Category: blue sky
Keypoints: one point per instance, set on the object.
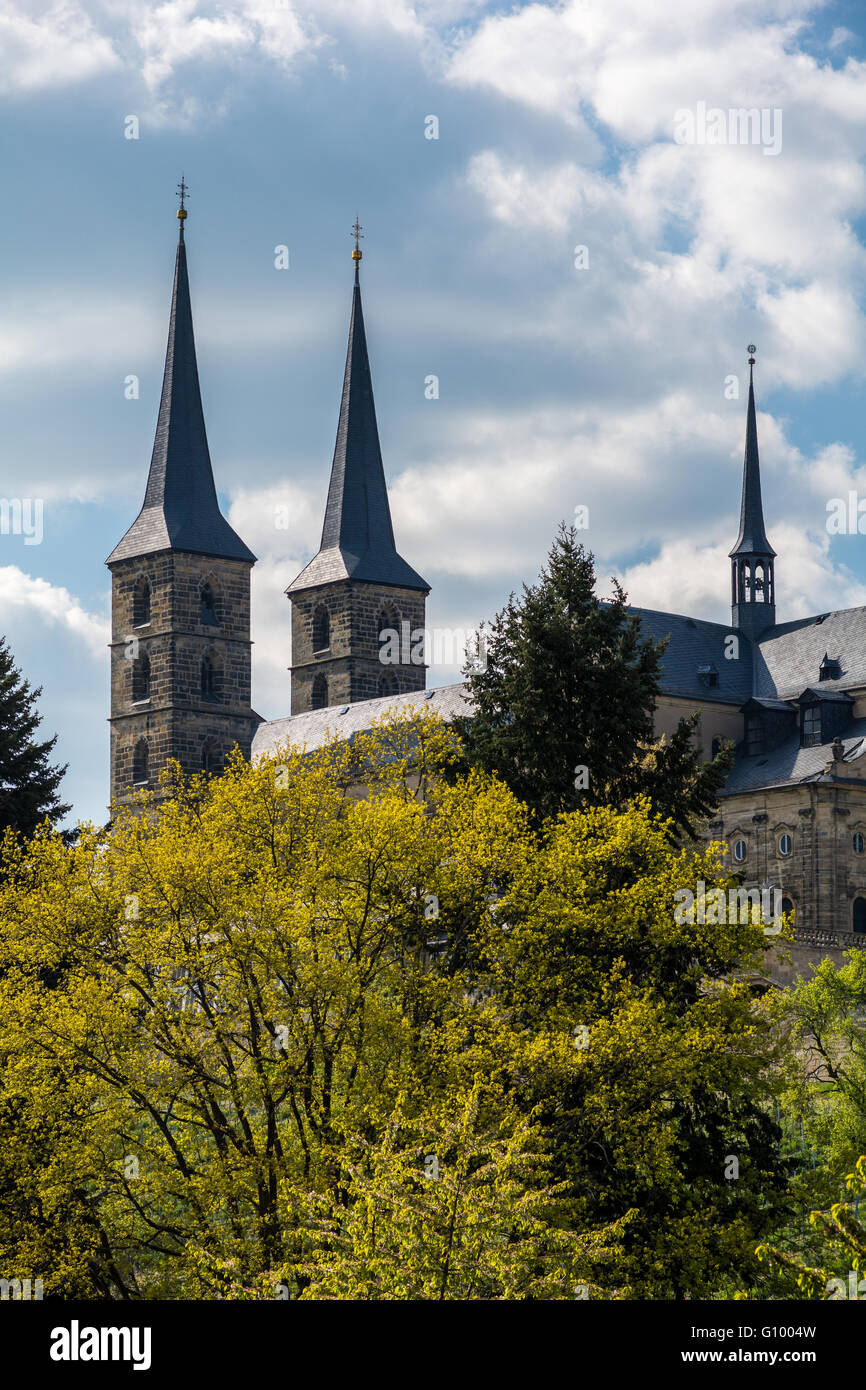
(559, 386)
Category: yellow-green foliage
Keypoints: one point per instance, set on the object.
(227, 1055)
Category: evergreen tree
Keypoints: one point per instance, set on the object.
(564, 709)
(28, 783)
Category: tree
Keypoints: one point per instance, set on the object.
(28, 783)
(564, 709)
(456, 1203)
(824, 1019)
(240, 1023)
(666, 1113)
(822, 1107)
(838, 1240)
(210, 1003)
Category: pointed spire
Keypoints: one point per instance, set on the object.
(180, 510)
(357, 537)
(752, 539)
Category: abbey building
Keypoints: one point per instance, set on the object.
(791, 695)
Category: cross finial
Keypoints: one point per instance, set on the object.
(182, 191)
(751, 350)
(357, 233)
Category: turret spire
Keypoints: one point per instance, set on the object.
(753, 594)
(180, 510)
(357, 537)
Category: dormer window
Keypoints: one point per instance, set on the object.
(830, 669)
(708, 676)
(768, 723)
(823, 715)
(754, 735)
(812, 726)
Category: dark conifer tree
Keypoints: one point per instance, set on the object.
(564, 709)
(28, 782)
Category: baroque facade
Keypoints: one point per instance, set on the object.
(790, 695)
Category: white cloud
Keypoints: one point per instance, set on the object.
(54, 606)
(279, 522)
(58, 47)
(839, 37)
(65, 44)
(173, 33)
(689, 578)
(95, 330)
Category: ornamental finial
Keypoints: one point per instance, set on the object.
(357, 233)
(182, 191)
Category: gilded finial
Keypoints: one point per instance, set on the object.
(751, 350)
(357, 233)
(182, 191)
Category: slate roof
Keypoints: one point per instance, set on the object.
(357, 537)
(791, 651)
(752, 539)
(788, 656)
(693, 644)
(780, 665)
(311, 730)
(790, 763)
(180, 509)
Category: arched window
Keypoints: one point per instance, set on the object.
(141, 677)
(858, 842)
(860, 914)
(141, 603)
(786, 844)
(787, 907)
(321, 630)
(760, 582)
(211, 759)
(141, 762)
(388, 684)
(740, 850)
(388, 636)
(208, 613)
(320, 693)
(211, 679)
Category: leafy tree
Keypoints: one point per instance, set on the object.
(246, 1036)
(454, 1204)
(824, 1019)
(837, 1249)
(564, 708)
(28, 783)
(673, 1080)
(822, 1105)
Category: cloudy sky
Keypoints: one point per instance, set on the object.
(599, 377)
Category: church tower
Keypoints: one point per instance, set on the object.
(357, 604)
(753, 582)
(180, 582)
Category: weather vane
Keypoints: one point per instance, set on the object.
(751, 350)
(357, 233)
(182, 191)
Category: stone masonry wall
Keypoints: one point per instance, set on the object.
(351, 664)
(175, 719)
